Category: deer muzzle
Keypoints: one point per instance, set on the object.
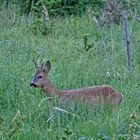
(33, 84)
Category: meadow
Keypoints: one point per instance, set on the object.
(82, 54)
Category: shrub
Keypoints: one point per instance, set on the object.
(113, 9)
(59, 7)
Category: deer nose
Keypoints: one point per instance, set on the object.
(32, 84)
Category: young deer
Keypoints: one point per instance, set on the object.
(103, 94)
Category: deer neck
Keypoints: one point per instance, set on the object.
(49, 89)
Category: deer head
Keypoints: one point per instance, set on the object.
(41, 74)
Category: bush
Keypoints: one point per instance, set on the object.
(60, 7)
(113, 9)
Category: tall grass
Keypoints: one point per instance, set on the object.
(26, 113)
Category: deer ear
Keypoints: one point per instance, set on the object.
(47, 66)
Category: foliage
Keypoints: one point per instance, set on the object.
(26, 113)
(60, 7)
(41, 27)
(113, 10)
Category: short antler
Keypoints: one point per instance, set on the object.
(39, 64)
(36, 65)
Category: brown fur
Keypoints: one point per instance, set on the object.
(103, 94)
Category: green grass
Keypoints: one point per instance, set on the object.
(26, 113)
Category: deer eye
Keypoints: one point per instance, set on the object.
(40, 77)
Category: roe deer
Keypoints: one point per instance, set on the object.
(103, 94)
